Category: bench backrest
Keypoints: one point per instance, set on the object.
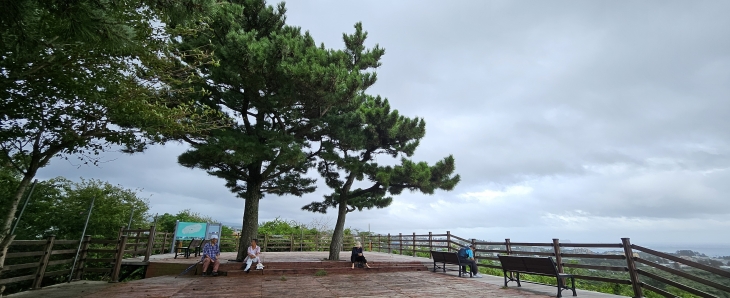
(529, 264)
(194, 243)
(442, 256)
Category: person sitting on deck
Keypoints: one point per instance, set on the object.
(211, 252)
(253, 255)
(357, 255)
(466, 256)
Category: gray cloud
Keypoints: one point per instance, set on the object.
(578, 120)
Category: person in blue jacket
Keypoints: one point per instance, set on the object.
(466, 256)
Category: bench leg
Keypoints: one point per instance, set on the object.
(505, 278)
(518, 280)
(444, 267)
(434, 266)
(560, 287)
(572, 283)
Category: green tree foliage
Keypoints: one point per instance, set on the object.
(59, 207)
(354, 140)
(166, 222)
(77, 77)
(285, 227)
(276, 84)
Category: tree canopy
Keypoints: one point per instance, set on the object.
(276, 84)
(59, 207)
(354, 139)
(78, 77)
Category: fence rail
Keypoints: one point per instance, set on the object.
(625, 265)
(37, 260)
(34, 260)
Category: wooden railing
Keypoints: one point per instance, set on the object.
(271, 243)
(33, 258)
(39, 260)
(624, 263)
(141, 241)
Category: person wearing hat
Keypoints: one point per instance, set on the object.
(211, 252)
(469, 260)
(357, 255)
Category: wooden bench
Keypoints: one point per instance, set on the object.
(199, 248)
(448, 258)
(537, 266)
(185, 251)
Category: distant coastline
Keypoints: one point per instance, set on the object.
(711, 250)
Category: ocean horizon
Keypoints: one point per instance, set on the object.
(711, 250)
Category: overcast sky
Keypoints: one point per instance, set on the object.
(584, 120)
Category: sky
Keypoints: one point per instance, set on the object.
(585, 121)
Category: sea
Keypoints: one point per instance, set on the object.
(711, 250)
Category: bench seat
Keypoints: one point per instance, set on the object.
(537, 266)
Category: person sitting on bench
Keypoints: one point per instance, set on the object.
(357, 255)
(466, 257)
(211, 252)
(253, 255)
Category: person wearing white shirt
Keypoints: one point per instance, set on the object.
(254, 251)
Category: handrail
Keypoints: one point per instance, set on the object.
(683, 261)
(410, 244)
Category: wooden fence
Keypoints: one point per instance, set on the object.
(270, 243)
(621, 257)
(39, 260)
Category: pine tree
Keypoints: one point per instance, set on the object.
(276, 84)
(354, 139)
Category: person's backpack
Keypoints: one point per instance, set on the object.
(462, 253)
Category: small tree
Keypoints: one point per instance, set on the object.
(354, 139)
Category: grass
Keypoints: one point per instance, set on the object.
(283, 278)
(320, 273)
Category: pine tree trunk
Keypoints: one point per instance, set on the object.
(5, 237)
(250, 227)
(337, 235)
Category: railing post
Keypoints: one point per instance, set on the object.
(400, 243)
(448, 241)
(136, 242)
(82, 257)
(414, 244)
(389, 250)
(473, 243)
(430, 241)
(164, 239)
(316, 242)
(508, 248)
(266, 242)
(236, 242)
(150, 244)
(43, 264)
(633, 274)
(291, 243)
(121, 245)
(558, 257)
(379, 244)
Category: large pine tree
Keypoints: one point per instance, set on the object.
(276, 84)
(355, 138)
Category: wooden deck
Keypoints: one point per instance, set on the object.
(337, 283)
